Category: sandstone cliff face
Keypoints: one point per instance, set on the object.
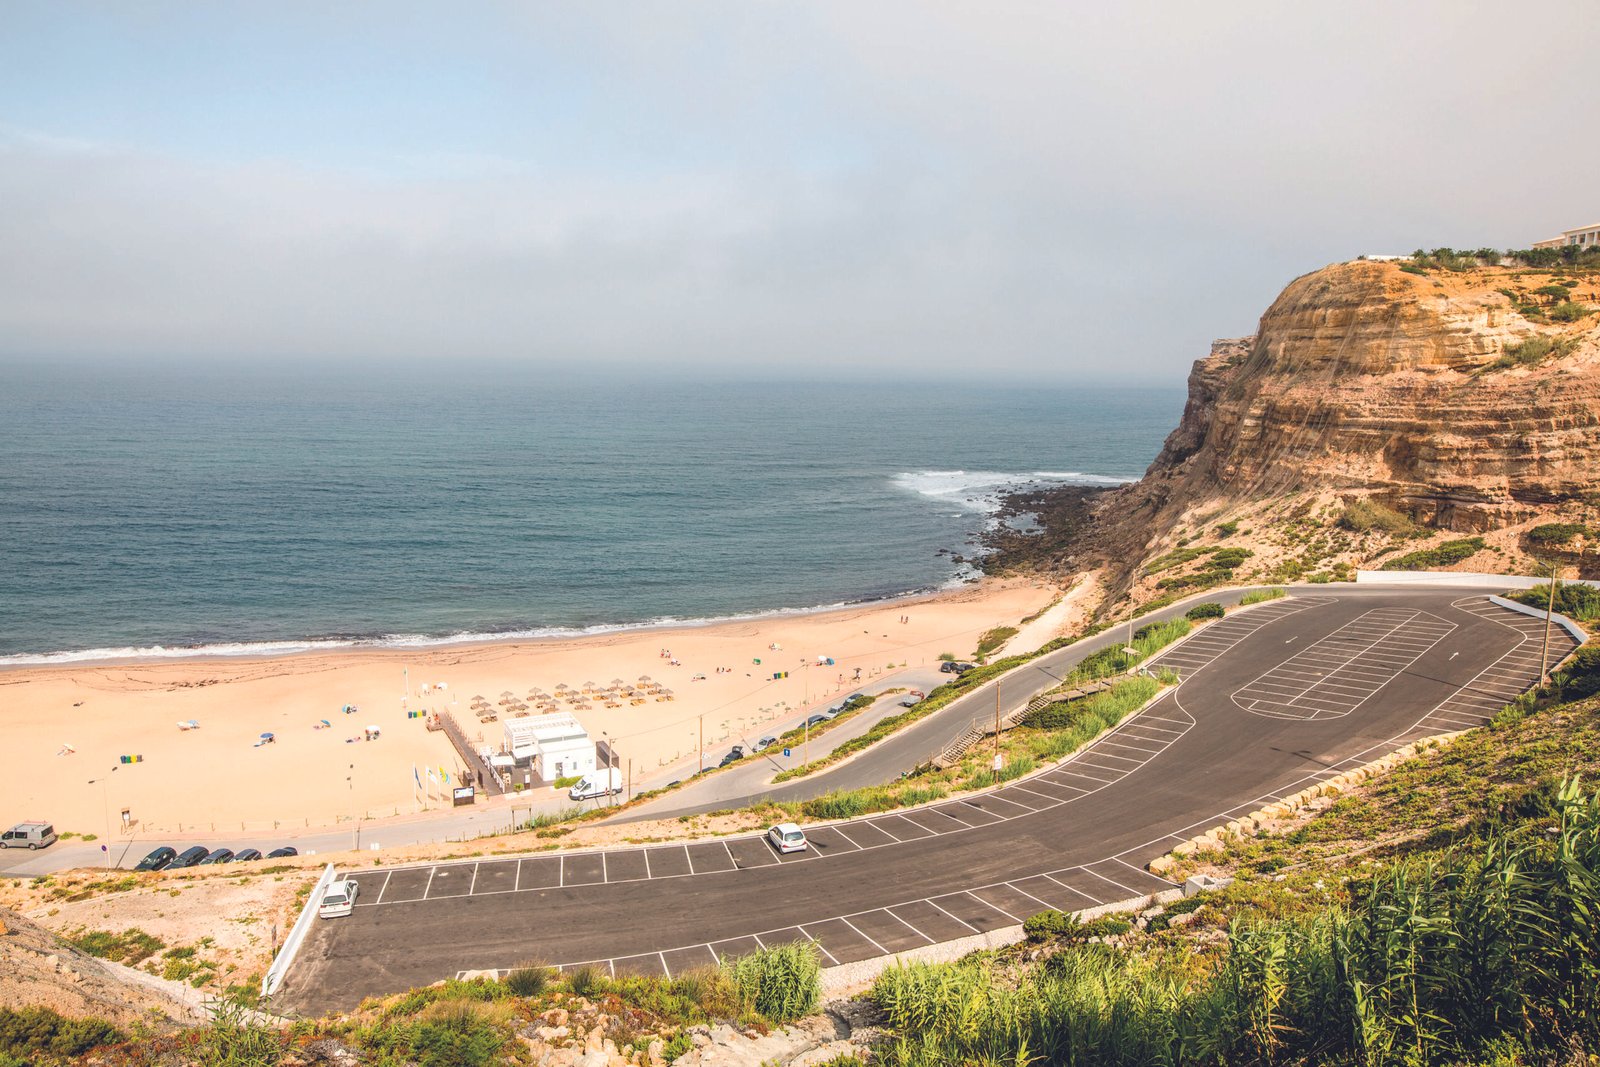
(1373, 381)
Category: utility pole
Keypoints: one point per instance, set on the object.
(702, 742)
(1549, 610)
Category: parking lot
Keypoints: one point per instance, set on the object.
(1116, 755)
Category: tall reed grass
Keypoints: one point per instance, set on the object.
(1433, 963)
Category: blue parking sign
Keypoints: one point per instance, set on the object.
(787, 752)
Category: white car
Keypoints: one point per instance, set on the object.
(339, 900)
(787, 837)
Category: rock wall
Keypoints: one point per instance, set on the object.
(1367, 379)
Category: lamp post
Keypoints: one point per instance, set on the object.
(1549, 610)
(105, 809)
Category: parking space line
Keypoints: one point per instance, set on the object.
(688, 858)
(386, 878)
(605, 873)
(647, 874)
(908, 926)
(1111, 881)
(474, 884)
(426, 891)
(1030, 896)
(985, 903)
(561, 871)
(820, 946)
(729, 851)
(881, 950)
(664, 968)
(1004, 800)
(838, 829)
(957, 918)
(1131, 748)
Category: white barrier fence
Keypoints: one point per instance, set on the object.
(297, 935)
(1509, 581)
(1578, 633)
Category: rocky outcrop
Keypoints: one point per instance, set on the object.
(1368, 379)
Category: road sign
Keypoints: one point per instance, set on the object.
(788, 752)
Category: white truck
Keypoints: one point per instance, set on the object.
(601, 783)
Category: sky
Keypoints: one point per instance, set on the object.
(1023, 191)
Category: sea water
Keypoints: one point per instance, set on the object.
(159, 511)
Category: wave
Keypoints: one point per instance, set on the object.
(979, 492)
(227, 649)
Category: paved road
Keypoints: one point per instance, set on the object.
(1272, 699)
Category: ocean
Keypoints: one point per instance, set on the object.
(167, 511)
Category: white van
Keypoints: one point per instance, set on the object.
(29, 835)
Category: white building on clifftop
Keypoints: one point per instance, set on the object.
(1586, 236)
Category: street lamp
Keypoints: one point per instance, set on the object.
(105, 808)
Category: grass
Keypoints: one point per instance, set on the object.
(1446, 554)
(1575, 601)
(993, 639)
(1261, 596)
(1557, 533)
(131, 946)
(31, 1035)
(1535, 350)
(1363, 515)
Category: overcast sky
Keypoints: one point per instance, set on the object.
(1063, 191)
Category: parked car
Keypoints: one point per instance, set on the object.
(911, 700)
(31, 835)
(818, 719)
(787, 837)
(340, 899)
(280, 853)
(221, 855)
(765, 743)
(157, 859)
(735, 754)
(948, 666)
(963, 668)
(853, 699)
(247, 854)
(189, 857)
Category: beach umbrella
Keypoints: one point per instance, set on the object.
(644, 677)
(617, 681)
(562, 685)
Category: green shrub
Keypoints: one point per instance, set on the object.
(527, 981)
(1442, 555)
(994, 639)
(1573, 599)
(1570, 312)
(1208, 610)
(1535, 350)
(1363, 515)
(234, 1036)
(567, 781)
(1557, 533)
(1258, 596)
(1227, 529)
(131, 946)
(585, 981)
(779, 982)
(1049, 925)
(32, 1033)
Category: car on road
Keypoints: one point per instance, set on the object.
(281, 853)
(787, 837)
(818, 719)
(221, 855)
(765, 743)
(157, 859)
(735, 754)
(30, 835)
(913, 698)
(948, 667)
(247, 854)
(189, 857)
(963, 668)
(340, 899)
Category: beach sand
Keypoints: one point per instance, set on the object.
(216, 777)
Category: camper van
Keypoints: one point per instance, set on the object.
(28, 835)
(597, 784)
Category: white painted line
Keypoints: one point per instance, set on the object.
(1004, 800)
(474, 884)
(646, 853)
(429, 888)
(561, 876)
(1048, 906)
(839, 829)
(1081, 893)
(823, 948)
(605, 870)
(957, 918)
(386, 878)
(881, 950)
(908, 926)
(729, 851)
(985, 903)
(688, 858)
(1113, 881)
(664, 968)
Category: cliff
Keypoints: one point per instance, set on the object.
(1453, 403)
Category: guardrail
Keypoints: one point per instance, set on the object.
(297, 935)
(1576, 632)
(1510, 581)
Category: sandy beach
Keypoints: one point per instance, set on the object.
(67, 728)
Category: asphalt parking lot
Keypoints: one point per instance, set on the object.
(1273, 698)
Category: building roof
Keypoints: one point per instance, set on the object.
(1581, 229)
(547, 729)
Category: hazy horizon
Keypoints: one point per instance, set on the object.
(814, 191)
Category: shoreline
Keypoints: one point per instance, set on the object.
(242, 651)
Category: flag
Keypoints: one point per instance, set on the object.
(415, 775)
(446, 775)
(431, 776)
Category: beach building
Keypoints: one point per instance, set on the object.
(551, 746)
(1584, 236)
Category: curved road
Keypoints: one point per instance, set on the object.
(1272, 699)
